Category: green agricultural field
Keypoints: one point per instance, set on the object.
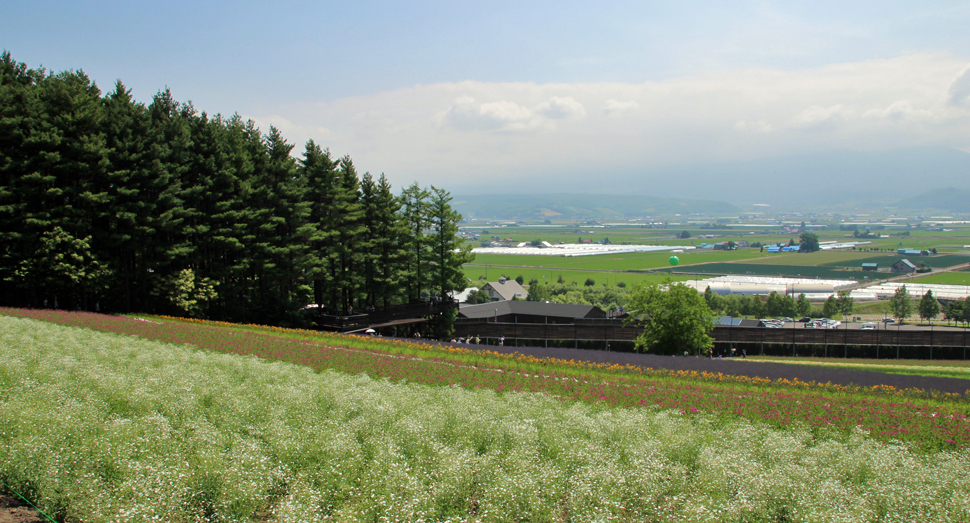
(613, 262)
(607, 268)
(568, 275)
(884, 261)
(632, 235)
(776, 270)
(875, 307)
(841, 258)
(572, 234)
(945, 278)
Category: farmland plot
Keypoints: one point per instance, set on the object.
(103, 427)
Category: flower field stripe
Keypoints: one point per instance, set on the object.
(928, 425)
(98, 427)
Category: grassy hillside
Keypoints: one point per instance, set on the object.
(107, 427)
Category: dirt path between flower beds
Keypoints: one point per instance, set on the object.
(739, 367)
(12, 510)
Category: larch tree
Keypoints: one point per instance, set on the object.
(414, 203)
(448, 250)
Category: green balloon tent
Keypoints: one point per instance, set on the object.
(674, 260)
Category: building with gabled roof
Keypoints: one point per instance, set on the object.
(903, 266)
(530, 312)
(505, 289)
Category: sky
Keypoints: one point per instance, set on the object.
(545, 96)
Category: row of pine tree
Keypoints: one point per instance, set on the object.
(110, 204)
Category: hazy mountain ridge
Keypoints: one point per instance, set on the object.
(579, 206)
(949, 199)
(816, 180)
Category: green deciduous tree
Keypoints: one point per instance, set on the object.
(481, 296)
(774, 304)
(807, 242)
(803, 307)
(928, 306)
(675, 318)
(63, 271)
(900, 304)
(845, 303)
(538, 293)
(714, 301)
(830, 309)
(953, 311)
(187, 293)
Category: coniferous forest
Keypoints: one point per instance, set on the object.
(109, 204)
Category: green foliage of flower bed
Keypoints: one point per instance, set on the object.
(107, 427)
(928, 421)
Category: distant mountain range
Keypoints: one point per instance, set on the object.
(830, 179)
(579, 207)
(949, 199)
(816, 179)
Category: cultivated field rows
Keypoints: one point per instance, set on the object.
(107, 427)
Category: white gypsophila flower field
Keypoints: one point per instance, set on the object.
(100, 427)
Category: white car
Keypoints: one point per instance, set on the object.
(869, 326)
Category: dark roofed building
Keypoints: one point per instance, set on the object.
(904, 266)
(530, 312)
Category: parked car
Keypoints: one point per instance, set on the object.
(888, 320)
(869, 326)
(806, 319)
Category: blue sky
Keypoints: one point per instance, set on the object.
(454, 93)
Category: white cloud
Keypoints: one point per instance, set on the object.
(615, 107)
(901, 111)
(960, 89)
(452, 132)
(759, 126)
(466, 114)
(815, 116)
(557, 108)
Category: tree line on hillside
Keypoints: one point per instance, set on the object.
(110, 204)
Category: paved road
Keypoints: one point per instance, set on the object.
(739, 367)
